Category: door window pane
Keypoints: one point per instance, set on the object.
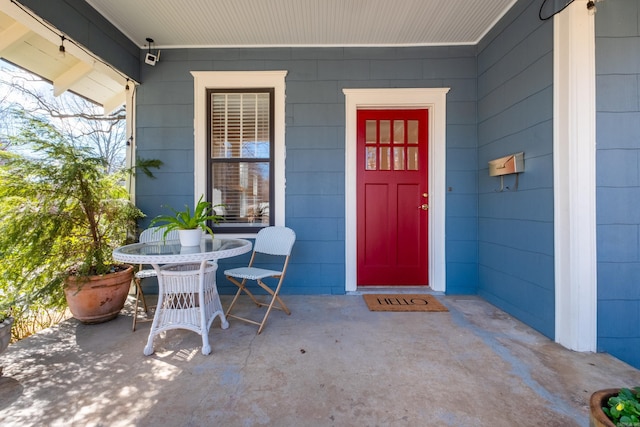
(412, 132)
(398, 158)
(370, 132)
(371, 159)
(412, 158)
(385, 158)
(385, 131)
(398, 132)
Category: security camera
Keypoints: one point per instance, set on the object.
(150, 59)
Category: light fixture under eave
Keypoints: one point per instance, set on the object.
(61, 50)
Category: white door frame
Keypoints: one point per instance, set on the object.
(434, 99)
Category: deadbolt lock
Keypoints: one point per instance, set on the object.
(423, 206)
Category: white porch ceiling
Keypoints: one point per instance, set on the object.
(239, 23)
(243, 23)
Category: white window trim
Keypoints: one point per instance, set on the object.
(574, 171)
(203, 80)
(435, 100)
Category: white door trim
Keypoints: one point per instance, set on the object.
(574, 171)
(435, 100)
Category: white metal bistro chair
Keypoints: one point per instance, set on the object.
(152, 234)
(276, 241)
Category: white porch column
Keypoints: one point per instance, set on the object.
(574, 168)
(130, 105)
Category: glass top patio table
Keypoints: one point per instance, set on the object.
(187, 292)
(172, 252)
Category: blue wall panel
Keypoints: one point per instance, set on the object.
(315, 158)
(515, 226)
(618, 181)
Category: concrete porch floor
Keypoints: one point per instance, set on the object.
(331, 363)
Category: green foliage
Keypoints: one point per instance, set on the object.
(624, 409)
(61, 213)
(145, 165)
(186, 220)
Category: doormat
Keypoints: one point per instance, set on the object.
(403, 302)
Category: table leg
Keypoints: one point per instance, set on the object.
(216, 309)
(204, 330)
(210, 305)
(208, 302)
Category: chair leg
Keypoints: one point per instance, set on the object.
(271, 305)
(274, 297)
(144, 300)
(235, 298)
(241, 288)
(139, 296)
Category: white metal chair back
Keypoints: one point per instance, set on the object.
(275, 241)
(156, 234)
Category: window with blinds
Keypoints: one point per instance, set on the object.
(241, 158)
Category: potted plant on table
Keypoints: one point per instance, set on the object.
(615, 408)
(62, 214)
(190, 224)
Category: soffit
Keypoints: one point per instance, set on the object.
(34, 46)
(247, 23)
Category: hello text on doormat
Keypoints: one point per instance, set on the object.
(403, 302)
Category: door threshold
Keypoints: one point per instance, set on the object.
(361, 290)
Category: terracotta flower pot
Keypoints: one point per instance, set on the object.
(98, 299)
(599, 399)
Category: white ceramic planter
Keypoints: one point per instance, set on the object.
(190, 237)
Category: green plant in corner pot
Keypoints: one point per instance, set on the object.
(62, 213)
(188, 220)
(624, 408)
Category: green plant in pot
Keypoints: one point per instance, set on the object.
(615, 407)
(190, 224)
(62, 214)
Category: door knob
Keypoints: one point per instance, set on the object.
(423, 206)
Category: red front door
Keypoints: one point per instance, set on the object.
(392, 197)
